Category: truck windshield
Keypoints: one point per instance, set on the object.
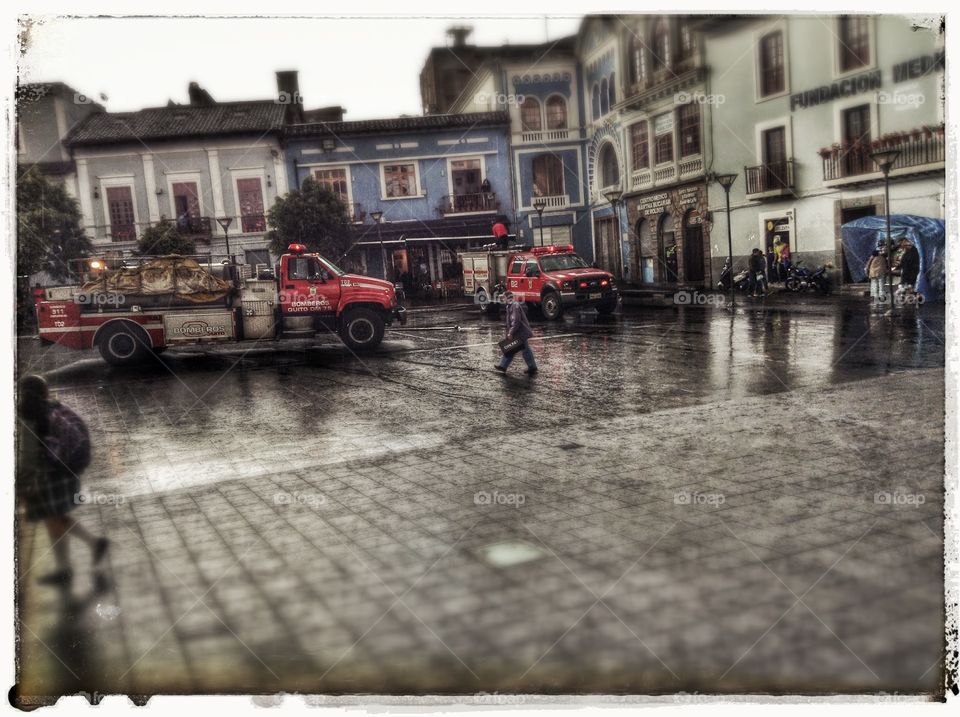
(333, 267)
(561, 262)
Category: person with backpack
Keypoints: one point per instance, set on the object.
(54, 451)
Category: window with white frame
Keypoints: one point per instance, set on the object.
(853, 42)
(333, 179)
(772, 64)
(663, 138)
(250, 203)
(400, 180)
(530, 119)
(552, 235)
(556, 112)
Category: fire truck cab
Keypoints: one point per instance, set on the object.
(552, 277)
(128, 312)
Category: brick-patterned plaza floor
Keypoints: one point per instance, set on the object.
(789, 540)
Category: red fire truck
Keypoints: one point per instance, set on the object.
(552, 277)
(128, 311)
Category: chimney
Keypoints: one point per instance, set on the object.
(288, 93)
(459, 34)
(199, 96)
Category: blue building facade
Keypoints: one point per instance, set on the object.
(437, 184)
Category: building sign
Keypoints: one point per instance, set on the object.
(843, 88)
(663, 124)
(918, 67)
(687, 197)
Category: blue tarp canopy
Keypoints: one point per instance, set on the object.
(862, 236)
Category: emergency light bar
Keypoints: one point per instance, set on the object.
(296, 248)
(553, 249)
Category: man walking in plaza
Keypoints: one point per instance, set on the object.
(518, 327)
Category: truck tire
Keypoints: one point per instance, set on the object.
(607, 307)
(124, 343)
(551, 306)
(362, 329)
(483, 301)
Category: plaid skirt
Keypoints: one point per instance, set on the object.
(50, 493)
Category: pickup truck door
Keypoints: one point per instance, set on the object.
(532, 279)
(307, 287)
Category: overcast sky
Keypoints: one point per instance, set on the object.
(371, 66)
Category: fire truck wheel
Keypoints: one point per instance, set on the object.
(362, 329)
(124, 343)
(483, 301)
(550, 306)
(607, 307)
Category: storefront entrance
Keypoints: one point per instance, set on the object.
(608, 245)
(692, 249)
(849, 215)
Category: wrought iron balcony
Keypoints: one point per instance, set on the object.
(921, 149)
(196, 227)
(469, 203)
(771, 178)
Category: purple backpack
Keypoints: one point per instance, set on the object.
(67, 440)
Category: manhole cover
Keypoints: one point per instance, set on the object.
(510, 552)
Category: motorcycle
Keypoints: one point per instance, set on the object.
(741, 280)
(801, 278)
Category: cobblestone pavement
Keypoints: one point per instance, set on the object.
(706, 533)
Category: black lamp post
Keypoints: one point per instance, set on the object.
(378, 218)
(726, 181)
(539, 204)
(885, 159)
(613, 196)
(225, 223)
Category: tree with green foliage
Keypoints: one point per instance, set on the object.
(313, 216)
(49, 232)
(163, 239)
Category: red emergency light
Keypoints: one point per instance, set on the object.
(553, 249)
(297, 248)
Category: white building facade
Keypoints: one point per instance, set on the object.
(799, 103)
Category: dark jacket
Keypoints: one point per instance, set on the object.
(518, 326)
(757, 263)
(910, 266)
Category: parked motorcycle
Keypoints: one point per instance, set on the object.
(801, 278)
(741, 280)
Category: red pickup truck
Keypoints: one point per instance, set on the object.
(552, 277)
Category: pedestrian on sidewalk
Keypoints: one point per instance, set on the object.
(54, 451)
(877, 269)
(757, 265)
(518, 327)
(909, 267)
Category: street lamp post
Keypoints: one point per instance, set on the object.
(225, 223)
(885, 159)
(378, 218)
(726, 181)
(539, 204)
(613, 196)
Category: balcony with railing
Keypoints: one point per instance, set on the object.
(680, 170)
(195, 227)
(921, 150)
(772, 179)
(547, 135)
(553, 201)
(469, 203)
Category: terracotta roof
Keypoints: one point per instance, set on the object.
(179, 121)
(399, 124)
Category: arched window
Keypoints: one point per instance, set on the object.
(609, 167)
(661, 44)
(547, 175)
(612, 89)
(556, 112)
(530, 115)
(604, 97)
(595, 104)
